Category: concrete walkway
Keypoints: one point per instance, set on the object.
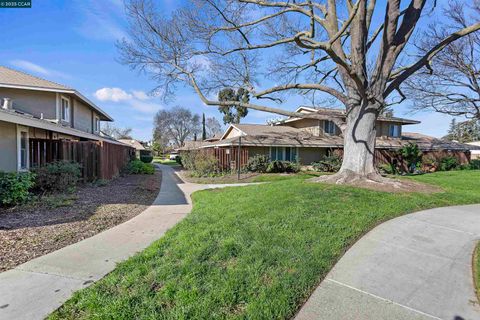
(36, 288)
(417, 266)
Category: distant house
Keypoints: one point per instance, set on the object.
(137, 145)
(307, 140)
(475, 151)
(43, 121)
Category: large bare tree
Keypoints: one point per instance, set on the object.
(452, 83)
(308, 47)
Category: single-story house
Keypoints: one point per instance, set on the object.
(307, 140)
(139, 147)
(42, 121)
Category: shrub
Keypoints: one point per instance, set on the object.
(146, 158)
(328, 163)
(412, 155)
(258, 163)
(448, 163)
(138, 167)
(388, 168)
(178, 159)
(278, 166)
(57, 176)
(200, 163)
(475, 164)
(14, 187)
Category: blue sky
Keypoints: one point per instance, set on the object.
(73, 43)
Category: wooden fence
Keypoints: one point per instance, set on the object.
(98, 159)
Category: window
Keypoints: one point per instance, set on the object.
(329, 127)
(283, 153)
(65, 109)
(22, 147)
(96, 125)
(394, 130)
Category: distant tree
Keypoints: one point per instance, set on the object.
(176, 125)
(466, 131)
(204, 129)
(116, 133)
(213, 127)
(233, 114)
(451, 83)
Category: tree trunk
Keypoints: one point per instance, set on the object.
(359, 148)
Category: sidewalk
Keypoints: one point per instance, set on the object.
(36, 288)
(418, 266)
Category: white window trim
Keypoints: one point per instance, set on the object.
(96, 124)
(21, 129)
(62, 97)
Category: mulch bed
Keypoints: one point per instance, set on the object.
(39, 228)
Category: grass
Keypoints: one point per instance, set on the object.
(254, 252)
(476, 270)
(166, 162)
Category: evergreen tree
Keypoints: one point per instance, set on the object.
(204, 129)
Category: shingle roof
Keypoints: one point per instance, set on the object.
(13, 77)
(265, 135)
(133, 143)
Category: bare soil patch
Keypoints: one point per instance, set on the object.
(54, 222)
(393, 186)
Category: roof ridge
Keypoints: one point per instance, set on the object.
(37, 77)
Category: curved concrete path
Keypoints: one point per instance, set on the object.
(36, 288)
(417, 266)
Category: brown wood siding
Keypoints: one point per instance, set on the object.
(98, 159)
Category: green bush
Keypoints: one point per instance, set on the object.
(146, 158)
(178, 159)
(57, 176)
(258, 163)
(475, 164)
(328, 163)
(15, 187)
(448, 163)
(138, 167)
(388, 168)
(278, 166)
(412, 154)
(200, 163)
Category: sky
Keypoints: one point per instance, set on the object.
(73, 43)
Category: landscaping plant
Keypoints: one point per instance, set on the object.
(279, 166)
(146, 158)
(328, 163)
(138, 167)
(200, 163)
(448, 163)
(57, 176)
(258, 163)
(475, 164)
(412, 154)
(15, 187)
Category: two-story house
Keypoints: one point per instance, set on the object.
(307, 140)
(36, 109)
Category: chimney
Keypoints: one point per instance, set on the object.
(7, 104)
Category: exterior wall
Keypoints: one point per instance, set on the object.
(309, 155)
(313, 126)
(36, 133)
(8, 146)
(233, 133)
(82, 117)
(32, 102)
(306, 155)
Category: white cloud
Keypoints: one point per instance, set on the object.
(100, 20)
(136, 99)
(141, 95)
(112, 94)
(36, 69)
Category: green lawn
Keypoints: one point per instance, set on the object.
(253, 252)
(476, 270)
(168, 162)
